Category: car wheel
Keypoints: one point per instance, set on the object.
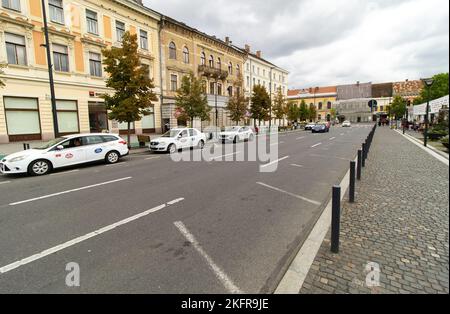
(112, 157)
(39, 167)
(235, 140)
(172, 149)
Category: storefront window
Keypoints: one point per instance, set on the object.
(148, 122)
(22, 116)
(67, 113)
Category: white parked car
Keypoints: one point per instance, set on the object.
(177, 139)
(65, 151)
(236, 134)
(346, 124)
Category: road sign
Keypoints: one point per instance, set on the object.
(373, 103)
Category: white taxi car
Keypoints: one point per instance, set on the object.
(346, 124)
(178, 139)
(65, 151)
(236, 134)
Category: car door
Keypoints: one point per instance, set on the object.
(193, 134)
(72, 153)
(95, 147)
(241, 134)
(183, 139)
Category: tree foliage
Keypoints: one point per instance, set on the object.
(312, 112)
(133, 94)
(397, 108)
(191, 99)
(303, 111)
(279, 105)
(260, 106)
(439, 89)
(292, 111)
(238, 103)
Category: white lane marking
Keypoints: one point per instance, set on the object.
(316, 145)
(151, 158)
(59, 173)
(332, 138)
(5, 182)
(342, 133)
(69, 191)
(274, 162)
(227, 155)
(70, 243)
(223, 278)
(300, 138)
(289, 193)
(295, 165)
(335, 157)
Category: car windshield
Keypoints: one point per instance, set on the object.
(172, 133)
(50, 143)
(232, 129)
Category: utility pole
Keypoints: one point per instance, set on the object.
(50, 71)
(270, 109)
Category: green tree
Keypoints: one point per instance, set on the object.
(439, 89)
(312, 112)
(237, 107)
(191, 99)
(133, 94)
(303, 111)
(397, 109)
(279, 105)
(292, 111)
(333, 114)
(260, 105)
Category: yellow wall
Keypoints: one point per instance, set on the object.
(107, 27)
(39, 52)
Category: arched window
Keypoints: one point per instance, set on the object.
(329, 105)
(238, 69)
(211, 61)
(172, 51)
(320, 105)
(230, 68)
(203, 59)
(230, 91)
(186, 55)
(219, 63)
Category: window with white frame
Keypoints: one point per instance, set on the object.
(92, 22)
(60, 58)
(56, 11)
(143, 36)
(15, 49)
(95, 64)
(173, 83)
(67, 115)
(120, 30)
(186, 55)
(22, 115)
(11, 4)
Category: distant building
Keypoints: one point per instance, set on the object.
(323, 98)
(353, 102)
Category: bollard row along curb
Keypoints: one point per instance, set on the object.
(355, 170)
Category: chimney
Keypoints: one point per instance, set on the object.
(227, 40)
(258, 54)
(247, 48)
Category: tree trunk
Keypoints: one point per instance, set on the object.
(129, 135)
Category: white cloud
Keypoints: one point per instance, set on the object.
(325, 42)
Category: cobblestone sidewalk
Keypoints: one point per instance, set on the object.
(397, 232)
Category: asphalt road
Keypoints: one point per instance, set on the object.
(152, 225)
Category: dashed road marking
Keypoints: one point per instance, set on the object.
(289, 193)
(5, 182)
(274, 162)
(220, 274)
(316, 145)
(298, 166)
(80, 239)
(69, 191)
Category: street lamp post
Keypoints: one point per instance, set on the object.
(428, 83)
(50, 71)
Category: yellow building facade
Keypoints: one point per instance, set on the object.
(322, 98)
(186, 50)
(78, 30)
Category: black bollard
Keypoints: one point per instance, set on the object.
(359, 165)
(351, 193)
(335, 219)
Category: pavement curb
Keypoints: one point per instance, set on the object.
(431, 151)
(293, 279)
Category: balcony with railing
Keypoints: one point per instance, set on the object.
(208, 71)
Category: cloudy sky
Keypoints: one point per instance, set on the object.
(328, 42)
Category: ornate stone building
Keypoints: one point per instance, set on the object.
(187, 50)
(79, 30)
